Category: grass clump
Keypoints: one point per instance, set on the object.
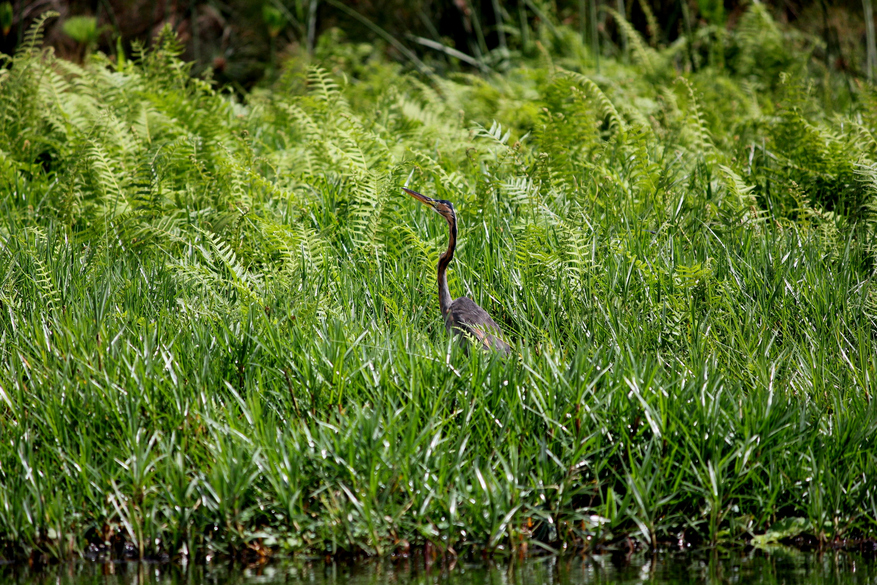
(220, 332)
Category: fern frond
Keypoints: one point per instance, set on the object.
(312, 131)
(245, 282)
(532, 252)
(350, 151)
(107, 177)
(572, 249)
(866, 138)
(34, 35)
(495, 133)
(738, 187)
(43, 280)
(300, 246)
(324, 88)
(519, 191)
(645, 55)
(368, 206)
(703, 141)
(423, 160)
(607, 109)
(651, 22)
(429, 117)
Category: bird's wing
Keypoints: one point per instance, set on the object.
(465, 315)
(489, 340)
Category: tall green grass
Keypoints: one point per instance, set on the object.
(220, 333)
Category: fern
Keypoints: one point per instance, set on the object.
(349, 152)
(651, 22)
(519, 192)
(645, 55)
(428, 116)
(703, 143)
(303, 248)
(496, 134)
(433, 167)
(607, 109)
(324, 88)
(33, 38)
(106, 177)
(246, 283)
(43, 280)
(368, 204)
(738, 187)
(761, 49)
(572, 249)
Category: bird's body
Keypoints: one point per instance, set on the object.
(465, 316)
(462, 316)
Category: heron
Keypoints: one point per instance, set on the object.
(462, 316)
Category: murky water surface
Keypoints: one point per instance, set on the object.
(779, 566)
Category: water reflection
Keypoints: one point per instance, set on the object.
(777, 566)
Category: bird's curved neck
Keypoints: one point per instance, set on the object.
(444, 260)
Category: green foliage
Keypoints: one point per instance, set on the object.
(82, 29)
(6, 17)
(273, 19)
(219, 318)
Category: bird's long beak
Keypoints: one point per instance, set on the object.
(419, 197)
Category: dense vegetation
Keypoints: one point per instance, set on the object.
(240, 41)
(220, 330)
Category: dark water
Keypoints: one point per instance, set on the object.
(780, 566)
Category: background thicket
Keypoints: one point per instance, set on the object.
(219, 329)
(239, 42)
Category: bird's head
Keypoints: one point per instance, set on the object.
(440, 206)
